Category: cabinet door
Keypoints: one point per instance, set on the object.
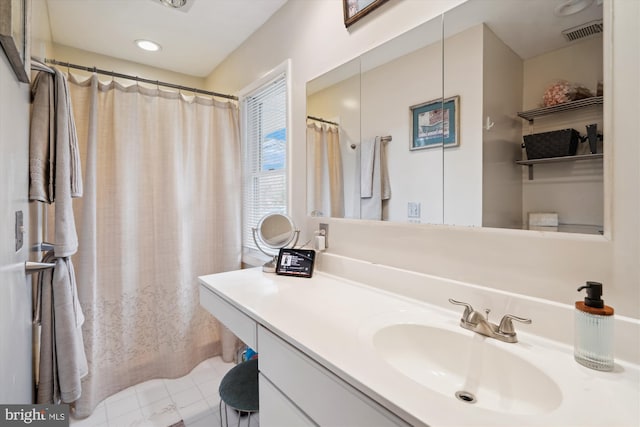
(278, 411)
(325, 398)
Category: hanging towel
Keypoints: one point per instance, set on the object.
(42, 141)
(371, 197)
(68, 176)
(385, 191)
(375, 185)
(367, 160)
(63, 362)
(54, 158)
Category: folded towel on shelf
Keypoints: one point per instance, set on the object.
(63, 362)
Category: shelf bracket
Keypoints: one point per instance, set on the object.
(530, 168)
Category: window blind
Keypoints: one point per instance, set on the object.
(265, 155)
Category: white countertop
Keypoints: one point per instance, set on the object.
(331, 319)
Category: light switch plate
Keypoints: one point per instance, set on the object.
(413, 210)
(19, 230)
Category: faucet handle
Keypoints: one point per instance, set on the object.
(506, 324)
(467, 308)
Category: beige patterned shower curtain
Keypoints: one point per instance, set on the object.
(325, 185)
(161, 206)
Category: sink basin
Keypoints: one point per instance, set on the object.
(470, 368)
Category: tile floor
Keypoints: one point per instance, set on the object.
(159, 403)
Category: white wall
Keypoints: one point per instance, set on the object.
(463, 164)
(415, 176)
(548, 265)
(16, 384)
(502, 98)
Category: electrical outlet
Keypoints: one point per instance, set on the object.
(324, 231)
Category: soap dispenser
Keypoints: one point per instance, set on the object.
(593, 343)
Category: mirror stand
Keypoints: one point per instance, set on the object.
(275, 231)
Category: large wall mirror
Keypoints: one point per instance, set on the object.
(502, 61)
(473, 87)
(362, 120)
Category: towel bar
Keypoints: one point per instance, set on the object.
(34, 267)
(42, 247)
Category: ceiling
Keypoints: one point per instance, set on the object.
(194, 40)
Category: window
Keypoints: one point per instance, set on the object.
(264, 175)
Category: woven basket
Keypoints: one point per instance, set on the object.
(558, 143)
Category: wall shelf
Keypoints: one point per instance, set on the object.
(549, 160)
(530, 115)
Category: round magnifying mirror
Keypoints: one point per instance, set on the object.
(274, 231)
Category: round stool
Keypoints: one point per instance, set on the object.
(239, 390)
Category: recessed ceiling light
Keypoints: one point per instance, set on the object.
(148, 45)
(571, 7)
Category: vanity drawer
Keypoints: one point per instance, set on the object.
(325, 398)
(239, 323)
(277, 410)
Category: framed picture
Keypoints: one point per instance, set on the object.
(14, 36)
(435, 123)
(356, 9)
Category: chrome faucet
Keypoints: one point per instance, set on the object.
(477, 322)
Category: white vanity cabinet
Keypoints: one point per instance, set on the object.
(239, 323)
(315, 391)
(296, 390)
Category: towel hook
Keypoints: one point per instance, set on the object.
(488, 123)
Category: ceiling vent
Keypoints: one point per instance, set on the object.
(585, 30)
(181, 5)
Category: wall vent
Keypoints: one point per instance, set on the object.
(585, 30)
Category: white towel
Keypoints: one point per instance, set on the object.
(367, 168)
(63, 362)
(374, 183)
(371, 200)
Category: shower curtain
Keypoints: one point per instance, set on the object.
(161, 206)
(325, 184)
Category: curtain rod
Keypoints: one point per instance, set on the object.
(318, 119)
(138, 79)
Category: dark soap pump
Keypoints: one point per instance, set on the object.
(593, 340)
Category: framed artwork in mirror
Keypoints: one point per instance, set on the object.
(357, 9)
(435, 124)
(14, 36)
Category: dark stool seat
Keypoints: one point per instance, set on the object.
(239, 390)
